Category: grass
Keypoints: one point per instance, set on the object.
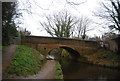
(58, 73)
(26, 61)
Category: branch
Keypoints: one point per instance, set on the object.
(115, 6)
(73, 3)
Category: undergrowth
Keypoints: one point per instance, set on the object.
(58, 73)
(105, 57)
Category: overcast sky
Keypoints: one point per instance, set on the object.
(46, 7)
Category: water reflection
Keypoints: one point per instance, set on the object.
(76, 70)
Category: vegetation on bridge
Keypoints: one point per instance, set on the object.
(26, 61)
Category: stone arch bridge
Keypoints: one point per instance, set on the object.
(46, 44)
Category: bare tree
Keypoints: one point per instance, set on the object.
(83, 26)
(28, 4)
(110, 10)
(59, 25)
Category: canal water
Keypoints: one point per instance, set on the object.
(76, 70)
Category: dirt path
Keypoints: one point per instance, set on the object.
(7, 55)
(46, 72)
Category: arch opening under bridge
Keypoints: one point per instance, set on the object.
(73, 53)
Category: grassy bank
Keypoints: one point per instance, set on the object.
(58, 73)
(26, 61)
(105, 58)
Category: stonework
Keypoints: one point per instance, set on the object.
(46, 44)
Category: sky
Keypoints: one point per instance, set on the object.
(46, 7)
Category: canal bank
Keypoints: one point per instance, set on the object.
(79, 70)
(104, 58)
(101, 57)
(101, 65)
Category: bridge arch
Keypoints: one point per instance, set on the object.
(75, 54)
(45, 44)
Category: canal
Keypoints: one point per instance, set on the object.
(76, 70)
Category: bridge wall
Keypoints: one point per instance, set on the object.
(45, 44)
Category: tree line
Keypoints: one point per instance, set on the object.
(9, 27)
(61, 24)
